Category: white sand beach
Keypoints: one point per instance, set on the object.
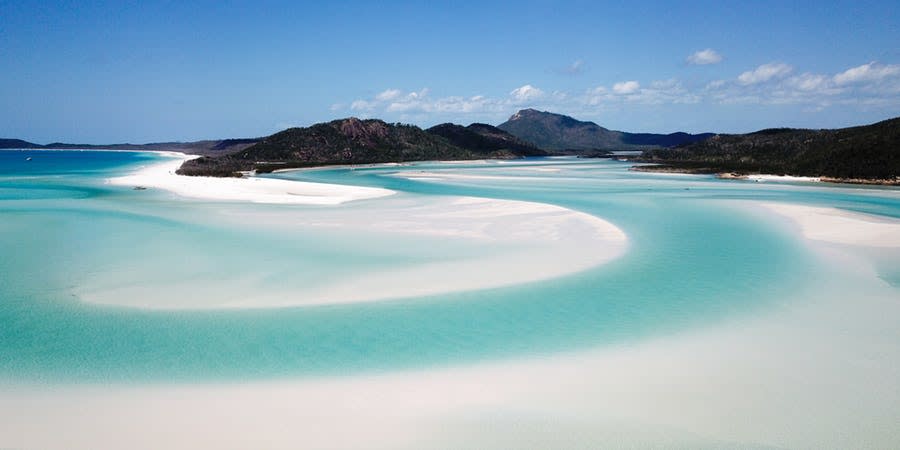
(787, 178)
(518, 242)
(839, 226)
(250, 189)
(814, 374)
(816, 370)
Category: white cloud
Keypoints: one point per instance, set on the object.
(526, 93)
(362, 105)
(716, 84)
(626, 87)
(412, 101)
(765, 73)
(869, 85)
(669, 91)
(388, 95)
(809, 82)
(872, 71)
(704, 57)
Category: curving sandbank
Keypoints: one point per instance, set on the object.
(838, 226)
(252, 189)
(505, 243)
(817, 371)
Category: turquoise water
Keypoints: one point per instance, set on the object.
(693, 261)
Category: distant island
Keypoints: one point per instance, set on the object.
(206, 147)
(867, 154)
(356, 141)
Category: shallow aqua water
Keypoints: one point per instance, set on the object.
(693, 261)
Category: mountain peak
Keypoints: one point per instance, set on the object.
(559, 132)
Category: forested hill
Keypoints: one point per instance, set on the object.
(552, 131)
(344, 141)
(870, 152)
(482, 137)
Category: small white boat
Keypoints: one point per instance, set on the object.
(28, 159)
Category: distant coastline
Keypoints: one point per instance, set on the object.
(759, 177)
(865, 154)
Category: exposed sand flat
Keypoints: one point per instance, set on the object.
(818, 370)
(443, 175)
(519, 239)
(838, 226)
(811, 374)
(517, 242)
(257, 190)
(764, 177)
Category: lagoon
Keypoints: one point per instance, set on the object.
(709, 294)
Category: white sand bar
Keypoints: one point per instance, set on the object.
(252, 189)
(817, 371)
(786, 178)
(816, 375)
(838, 226)
(510, 242)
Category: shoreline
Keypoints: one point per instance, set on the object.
(665, 169)
(252, 189)
(509, 243)
(819, 369)
(787, 374)
(515, 239)
(836, 226)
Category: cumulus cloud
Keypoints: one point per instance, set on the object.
(389, 94)
(400, 102)
(626, 87)
(868, 85)
(704, 57)
(765, 73)
(809, 82)
(872, 71)
(362, 105)
(526, 93)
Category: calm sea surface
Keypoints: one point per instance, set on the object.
(695, 258)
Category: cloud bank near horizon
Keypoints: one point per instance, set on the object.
(866, 86)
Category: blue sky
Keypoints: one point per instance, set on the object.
(103, 72)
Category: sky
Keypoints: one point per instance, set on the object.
(151, 71)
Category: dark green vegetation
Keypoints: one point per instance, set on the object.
(351, 141)
(857, 154)
(480, 137)
(17, 143)
(562, 133)
(208, 147)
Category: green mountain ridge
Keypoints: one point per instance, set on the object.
(868, 152)
(485, 138)
(553, 131)
(345, 141)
